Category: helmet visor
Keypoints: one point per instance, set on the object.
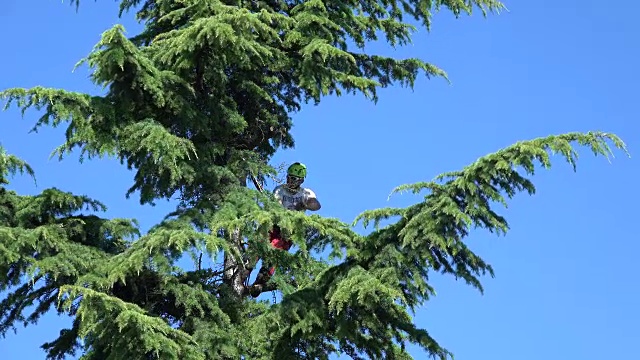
(294, 181)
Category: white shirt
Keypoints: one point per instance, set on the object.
(292, 199)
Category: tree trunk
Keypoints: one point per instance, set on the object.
(233, 269)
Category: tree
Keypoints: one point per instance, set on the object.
(198, 103)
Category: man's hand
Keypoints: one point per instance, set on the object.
(312, 204)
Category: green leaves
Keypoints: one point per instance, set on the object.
(199, 100)
(430, 233)
(387, 273)
(140, 335)
(207, 81)
(10, 165)
(44, 245)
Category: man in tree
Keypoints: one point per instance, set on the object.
(292, 196)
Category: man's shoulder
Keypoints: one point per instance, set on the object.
(280, 189)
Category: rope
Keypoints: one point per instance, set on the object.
(256, 183)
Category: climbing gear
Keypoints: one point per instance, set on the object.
(297, 169)
(256, 183)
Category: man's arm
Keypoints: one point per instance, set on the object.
(311, 201)
(313, 204)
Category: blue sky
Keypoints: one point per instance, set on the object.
(565, 286)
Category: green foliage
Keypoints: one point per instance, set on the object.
(197, 102)
(10, 164)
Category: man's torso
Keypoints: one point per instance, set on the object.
(292, 200)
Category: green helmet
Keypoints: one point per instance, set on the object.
(297, 169)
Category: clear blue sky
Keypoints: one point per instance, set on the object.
(566, 284)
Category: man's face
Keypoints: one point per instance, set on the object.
(294, 182)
